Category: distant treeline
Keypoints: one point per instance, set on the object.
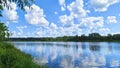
(83, 38)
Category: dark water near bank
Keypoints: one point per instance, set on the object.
(73, 54)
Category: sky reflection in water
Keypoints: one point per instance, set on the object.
(73, 54)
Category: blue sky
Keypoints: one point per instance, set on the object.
(52, 18)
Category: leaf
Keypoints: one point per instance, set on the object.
(1, 7)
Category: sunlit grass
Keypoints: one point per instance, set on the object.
(10, 57)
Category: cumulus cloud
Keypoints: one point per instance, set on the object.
(86, 23)
(62, 4)
(54, 31)
(76, 8)
(53, 26)
(92, 22)
(10, 14)
(102, 5)
(111, 19)
(35, 15)
(77, 11)
(39, 33)
(104, 31)
(74, 23)
(19, 32)
(69, 31)
(21, 28)
(66, 20)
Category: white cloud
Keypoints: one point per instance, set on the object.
(14, 34)
(21, 29)
(86, 23)
(104, 31)
(76, 9)
(55, 31)
(92, 22)
(62, 4)
(47, 32)
(56, 12)
(102, 5)
(111, 19)
(62, 8)
(69, 31)
(36, 16)
(19, 32)
(53, 26)
(66, 20)
(10, 14)
(39, 33)
(114, 63)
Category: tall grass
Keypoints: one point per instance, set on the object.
(10, 57)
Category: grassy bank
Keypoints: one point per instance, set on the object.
(10, 57)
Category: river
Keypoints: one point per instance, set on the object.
(73, 54)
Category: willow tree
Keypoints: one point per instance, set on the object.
(4, 33)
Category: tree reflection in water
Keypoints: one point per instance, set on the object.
(94, 47)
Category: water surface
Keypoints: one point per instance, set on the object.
(73, 54)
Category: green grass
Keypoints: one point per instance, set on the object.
(10, 57)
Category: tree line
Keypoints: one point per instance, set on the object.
(83, 38)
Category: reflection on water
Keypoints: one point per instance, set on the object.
(73, 54)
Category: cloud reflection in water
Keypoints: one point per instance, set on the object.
(72, 54)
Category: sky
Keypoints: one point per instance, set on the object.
(53, 18)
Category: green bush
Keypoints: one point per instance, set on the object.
(10, 57)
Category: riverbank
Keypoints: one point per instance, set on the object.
(10, 57)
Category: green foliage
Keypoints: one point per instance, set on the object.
(20, 3)
(93, 37)
(10, 57)
(3, 32)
